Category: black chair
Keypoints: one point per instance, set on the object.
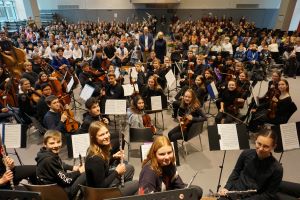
(139, 135)
(90, 193)
(19, 195)
(195, 130)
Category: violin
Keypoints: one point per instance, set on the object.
(71, 125)
(273, 105)
(184, 122)
(147, 123)
(191, 68)
(35, 95)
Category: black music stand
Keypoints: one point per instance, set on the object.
(150, 110)
(279, 147)
(214, 142)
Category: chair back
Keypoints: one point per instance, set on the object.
(291, 111)
(90, 193)
(140, 135)
(48, 192)
(195, 130)
(19, 195)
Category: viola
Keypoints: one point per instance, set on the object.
(147, 123)
(35, 95)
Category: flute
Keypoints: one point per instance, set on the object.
(121, 149)
(4, 154)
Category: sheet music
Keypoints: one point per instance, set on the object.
(229, 138)
(115, 107)
(80, 144)
(289, 136)
(12, 135)
(145, 149)
(86, 92)
(70, 85)
(129, 89)
(156, 103)
(134, 73)
(214, 88)
(170, 79)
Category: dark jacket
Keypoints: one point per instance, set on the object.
(142, 42)
(252, 173)
(51, 169)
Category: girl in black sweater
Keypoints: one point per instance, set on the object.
(104, 170)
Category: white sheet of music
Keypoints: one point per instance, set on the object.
(289, 136)
(170, 79)
(70, 85)
(80, 144)
(128, 89)
(156, 103)
(214, 88)
(12, 135)
(115, 107)
(145, 149)
(134, 73)
(229, 138)
(1, 133)
(86, 92)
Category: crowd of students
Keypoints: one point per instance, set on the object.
(203, 53)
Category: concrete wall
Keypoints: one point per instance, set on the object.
(184, 4)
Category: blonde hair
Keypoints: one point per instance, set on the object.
(95, 149)
(51, 134)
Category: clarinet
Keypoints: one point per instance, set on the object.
(4, 154)
(121, 149)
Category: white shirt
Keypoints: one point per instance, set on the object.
(68, 53)
(77, 53)
(273, 47)
(227, 47)
(146, 41)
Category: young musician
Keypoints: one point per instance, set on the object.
(59, 62)
(29, 74)
(159, 73)
(256, 169)
(53, 119)
(11, 175)
(189, 113)
(159, 172)
(50, 168)
(42, 107)
(26, 108)
(42, 79)
(152, 89)
(229, 103)
(276, 111)
(99, 163)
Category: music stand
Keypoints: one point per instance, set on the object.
(288, 138)
(213, 94)
(214, 142)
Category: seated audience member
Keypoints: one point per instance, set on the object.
(103, 169)
(159, 171)
(51, 169)
(256, 169)
(29, 74)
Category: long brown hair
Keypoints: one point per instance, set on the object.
(103, 151)
(159, 142)
(194, 105)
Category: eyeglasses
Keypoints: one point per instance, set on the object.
(263, 146)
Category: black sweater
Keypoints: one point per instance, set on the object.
(97, 172)
(52, 121)
(252, 173)
(51, 169)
